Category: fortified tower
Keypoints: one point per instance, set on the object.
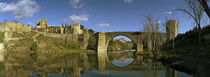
(75, 29)
(171, 29)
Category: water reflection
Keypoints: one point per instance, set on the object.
(122, 63)
(65, 64)
(121, 58)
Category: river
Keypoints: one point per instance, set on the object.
(66, 64)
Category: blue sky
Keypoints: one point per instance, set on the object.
(99, 15)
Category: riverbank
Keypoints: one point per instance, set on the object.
(188, 55)
(199, 67)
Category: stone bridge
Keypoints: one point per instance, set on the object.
(137, 37)
(105, 37)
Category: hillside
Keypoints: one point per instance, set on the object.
(119, 45)
(187, 44)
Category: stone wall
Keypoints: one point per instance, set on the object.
(75, 29)
(1, 52)
(15, 27)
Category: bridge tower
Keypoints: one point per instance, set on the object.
(171, 29)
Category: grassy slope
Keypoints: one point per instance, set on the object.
(187, 44)
(44, 43)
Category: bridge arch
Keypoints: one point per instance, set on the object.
(105, 37)
(113, 36)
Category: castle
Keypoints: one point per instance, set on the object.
(44, 27)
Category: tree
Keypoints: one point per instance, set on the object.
(195, 10)
(205, 6)
(82, 27)
(153, 37)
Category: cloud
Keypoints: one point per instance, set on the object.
(128, 1)
(80, 18)
(76, 3)
(103, 25)
(21, 9)
(169, 12)
(159, 22)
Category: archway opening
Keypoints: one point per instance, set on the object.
(121, 43)
(121, 51)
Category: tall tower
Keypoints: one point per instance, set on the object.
(171, 29)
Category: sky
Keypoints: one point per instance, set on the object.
(99, 15)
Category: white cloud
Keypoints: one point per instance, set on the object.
(76, 3)
(128, 1)
(21, 9)
(103, 25)
(169, 12)
(79, 18)
(159, 22)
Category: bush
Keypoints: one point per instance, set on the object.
(34, 47)
(82, 27)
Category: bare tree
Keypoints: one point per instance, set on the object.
(195, 10)
(153, 37)
(205, 6)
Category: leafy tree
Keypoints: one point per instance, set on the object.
(82, 27)
(34, 47)
(91, 31)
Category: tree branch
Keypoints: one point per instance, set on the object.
(185, 11)
(205, 6)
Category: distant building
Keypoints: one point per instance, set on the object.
(44, 27)
(42, 23)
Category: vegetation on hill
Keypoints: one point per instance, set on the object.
(92, 41)
(118, 45)
(28, 42)
(188, 45)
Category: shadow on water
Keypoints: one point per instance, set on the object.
(66, 64)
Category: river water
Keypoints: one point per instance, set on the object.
(66, 64)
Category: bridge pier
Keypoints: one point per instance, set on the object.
(139, 48)
(139, 45)
(101, 43)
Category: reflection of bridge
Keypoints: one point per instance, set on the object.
(75, 66)
(139, 64)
